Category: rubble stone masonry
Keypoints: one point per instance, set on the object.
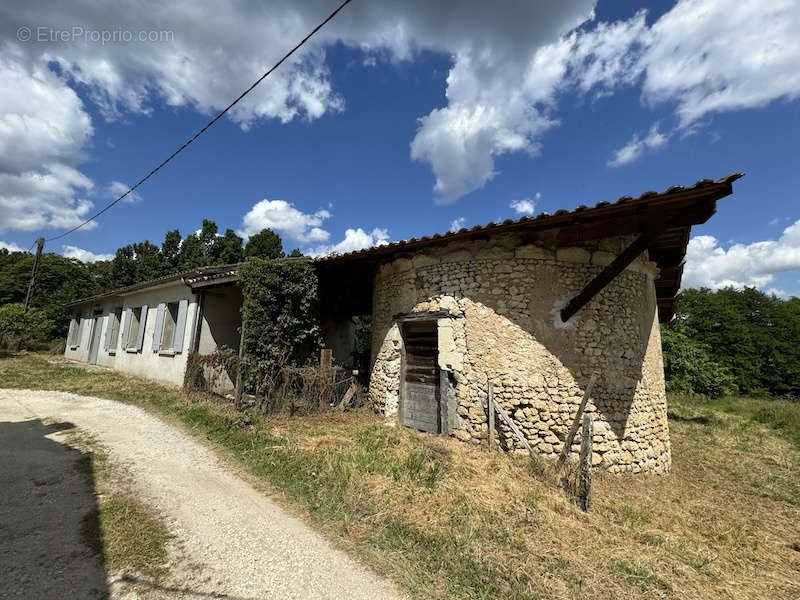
(504, 298)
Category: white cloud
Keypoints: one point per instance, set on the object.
(718, 55)
(354, 239)
(710, 265)
(370, 61)
(117, 188)
(457, 223)
(43, 130)
(636, 146)
(84, 255)
(283, 218)
(774, 221)
(526, 206)
(508, 70)
(10, 246)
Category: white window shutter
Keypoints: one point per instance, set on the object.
(109, 327)
(71, 331)
(126, 315)
(80, 331)
(142, 327)
(159, 328)
(180, 326)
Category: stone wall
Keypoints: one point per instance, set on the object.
(503, 300)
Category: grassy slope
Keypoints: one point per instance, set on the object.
(448, 520)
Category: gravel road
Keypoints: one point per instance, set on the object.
(234, 541)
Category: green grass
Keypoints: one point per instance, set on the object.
(447, 520)
(129, 534)
(782, 416)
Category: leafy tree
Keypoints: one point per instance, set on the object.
(227, 249)
(123, 267)
(295, 253)
(171, 252)
(751, 334)
(265, 244)
(149, 263)
(689, 368)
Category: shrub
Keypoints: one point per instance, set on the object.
(20, 330)
(280, 318)
(689, 368)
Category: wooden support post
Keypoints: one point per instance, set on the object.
(325, 374)
(512, 426)
(32, 283)
(491, 416)
(237, 395)
(585, 486)
(607, 275)
(576, 421)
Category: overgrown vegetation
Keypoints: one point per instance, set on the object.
(742, 338)
(20, 329)
(280, 318)
(448, 520)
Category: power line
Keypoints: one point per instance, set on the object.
(207, 125)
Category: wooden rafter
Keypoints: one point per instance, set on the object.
(617, 266)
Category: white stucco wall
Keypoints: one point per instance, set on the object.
(145, 362)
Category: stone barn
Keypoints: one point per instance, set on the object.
(536, 306)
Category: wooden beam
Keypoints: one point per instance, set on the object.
(607, 275)
(577, 421)
(430, 315)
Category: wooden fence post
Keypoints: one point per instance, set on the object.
(237, 395)
(585, 487)
(491, 416)
(576, 422)
(325, 375)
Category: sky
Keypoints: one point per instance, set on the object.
(400, 119)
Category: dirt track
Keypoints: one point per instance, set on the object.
(234, 541)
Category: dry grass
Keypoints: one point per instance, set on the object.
(129, 534)
(447, 520)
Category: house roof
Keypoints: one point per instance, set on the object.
(675, 210)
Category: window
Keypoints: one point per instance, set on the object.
(115, 320)
(133, 330)
(168, 332)
(74, 332)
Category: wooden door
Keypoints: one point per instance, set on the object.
(420, 401)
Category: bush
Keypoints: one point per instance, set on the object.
(280, 318)
(689, 368)
(20, 330)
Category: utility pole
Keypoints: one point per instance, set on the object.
(32, 284)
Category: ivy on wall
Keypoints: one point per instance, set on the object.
(280, 316)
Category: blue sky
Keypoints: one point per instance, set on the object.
(581, 104)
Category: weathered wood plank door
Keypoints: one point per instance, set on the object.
(420, 402)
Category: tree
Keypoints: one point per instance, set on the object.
(171, 252)
(295, 253)
(19, 329)
(227, 249)
(265, 244)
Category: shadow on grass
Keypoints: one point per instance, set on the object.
(50, 544)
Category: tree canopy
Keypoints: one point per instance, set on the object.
(745, 335)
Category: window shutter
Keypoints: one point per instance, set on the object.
(126, 315)
(159, 328)
(70, 335)
(180, 326)
(142, 327)
(80, 332)
(109, 327)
